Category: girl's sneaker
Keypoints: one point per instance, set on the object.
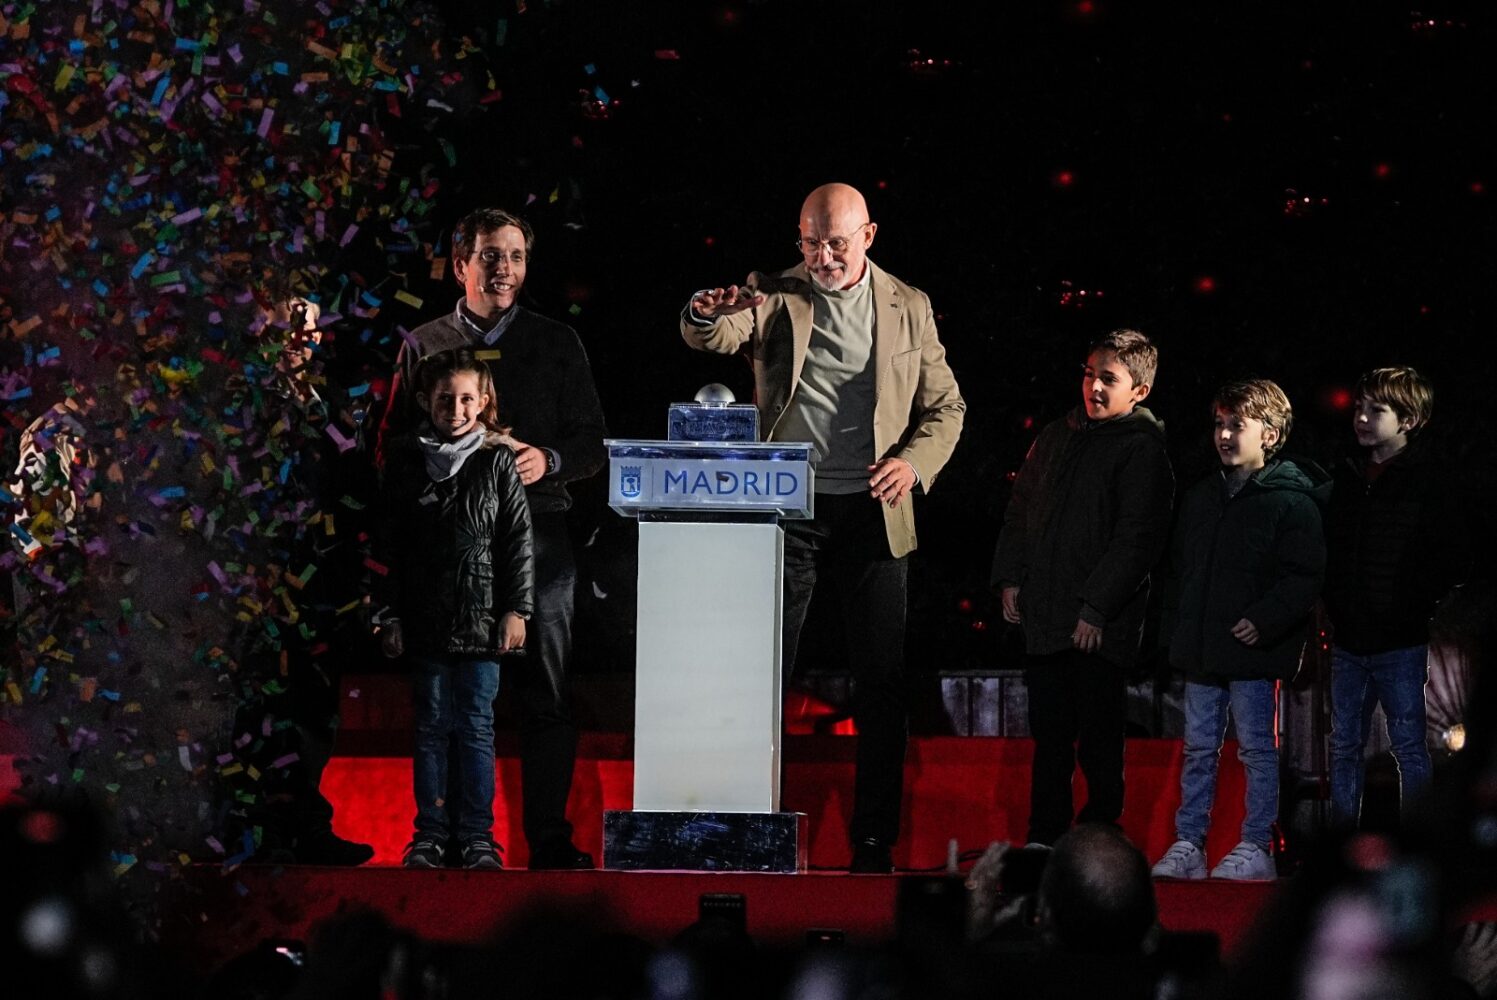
(423, 852)
(481, 852)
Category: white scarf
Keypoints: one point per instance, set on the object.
(445, 458)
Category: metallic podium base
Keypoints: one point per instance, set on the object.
(635, 840)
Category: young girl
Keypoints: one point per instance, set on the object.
(461, 584)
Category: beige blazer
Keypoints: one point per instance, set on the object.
(918, 410)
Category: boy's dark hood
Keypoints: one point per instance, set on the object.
(1140, 421)
(1296, 475)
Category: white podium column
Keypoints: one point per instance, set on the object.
(707, 701)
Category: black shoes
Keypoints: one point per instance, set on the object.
(423, 852)
(869, 857)
(562, 856)
(328, 848)
(478, 854)
(482, 854)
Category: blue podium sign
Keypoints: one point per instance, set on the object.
(743, 477)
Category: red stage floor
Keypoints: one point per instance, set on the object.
(967, 789)
(970, 789)
(227, 913)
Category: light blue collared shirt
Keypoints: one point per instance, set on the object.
(489, 335)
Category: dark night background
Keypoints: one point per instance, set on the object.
(1291, 190)
(1296, 191)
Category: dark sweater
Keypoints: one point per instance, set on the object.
(1396, 547)
(1088, 518)
(546, 394)
(1258, 555)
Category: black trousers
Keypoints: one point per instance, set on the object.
(1077, 704)
(846, 543)
(292, 809)
(548, 736)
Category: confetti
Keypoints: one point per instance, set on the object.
(166, 444)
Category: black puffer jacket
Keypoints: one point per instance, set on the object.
(460, 552)
(1396, 547)
(1259, 555)
(1088, 518)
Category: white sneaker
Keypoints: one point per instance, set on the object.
(1182, 860)
(1247, 863)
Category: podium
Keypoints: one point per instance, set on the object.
(707, 727)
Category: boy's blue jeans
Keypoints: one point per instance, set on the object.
(454, 700)
(1358, 682)
(1252, 704)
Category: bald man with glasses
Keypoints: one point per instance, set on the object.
(846, 356)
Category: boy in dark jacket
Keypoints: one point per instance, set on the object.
(1088, 518)
(1394, 551)
(1249, 557)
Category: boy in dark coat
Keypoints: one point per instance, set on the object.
(1088, 518)
(1250, 559)
(1395, 549)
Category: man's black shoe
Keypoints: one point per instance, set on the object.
(560, 857)
(871, 858)
(330, 849)
(275, 855)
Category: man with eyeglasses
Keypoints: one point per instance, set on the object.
(846, 356)
(549, 400)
